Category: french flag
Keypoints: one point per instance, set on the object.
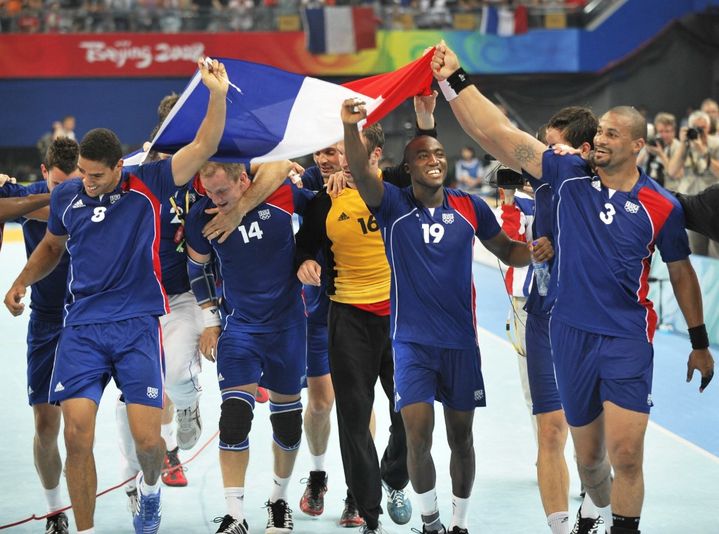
(339, 29)
(273, 114)
(500, 21)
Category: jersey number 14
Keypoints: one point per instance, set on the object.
(254, 231)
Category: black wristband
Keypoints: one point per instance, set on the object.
(699, 337)
(459, 80)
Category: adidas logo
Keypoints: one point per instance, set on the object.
(59, 387)
(343, 217)
(220, 378)
(78, 204)
(29, 390)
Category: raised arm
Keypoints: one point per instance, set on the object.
(482, 120)
(688, 294)
(188, 160)
(369, 185)
(12, 208)
(42, 262)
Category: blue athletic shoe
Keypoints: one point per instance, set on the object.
(398, 506)
(147, 515)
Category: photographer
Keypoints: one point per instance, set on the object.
(659, 150)
(696, 166)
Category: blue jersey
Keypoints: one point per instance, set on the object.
(114, 243)
(260, 289)
(430, 254)
(312, 179)
(604, 245)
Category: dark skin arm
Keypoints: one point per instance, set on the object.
(13, 208)
(688, 294)
(509, 252)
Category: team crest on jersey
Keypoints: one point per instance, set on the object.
(114, 198)
(479, 395)
(631, 207)
(596, 184)
(264, 214)
(448, 218)
(152, 392)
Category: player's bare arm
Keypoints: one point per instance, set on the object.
(268, 177)
(310, 273)
(542, 249)
(509, 252)
(12, 208)
(486, 124)
(42, 262)
(688, 294)
(370, 186)
(188, 160)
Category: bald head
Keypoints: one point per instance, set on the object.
(635, 121)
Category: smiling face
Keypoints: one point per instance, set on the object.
(97, 178)
(616, 145)
(223, 188)
(426, 161)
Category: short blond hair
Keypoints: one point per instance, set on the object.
(234, 170)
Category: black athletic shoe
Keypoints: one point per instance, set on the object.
(587, 525)
(57, 524)
(230, 525)
(279, 517)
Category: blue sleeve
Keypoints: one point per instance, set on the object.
(390, 200)
(59, 200)
(312, 179)
(487, 225)
(13, 190)
(672, 241)
(196, 220)
(556, 169)
(301, 197)
(158, 177)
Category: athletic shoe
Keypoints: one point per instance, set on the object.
(350, 517)
(132, 500)
(57, 524)
(148, 513)
(398, 506)
(313, 499)
(189, 426)
(279, 517)
(262, 395)
(441, 531)
(173, 474)
(230, 525)
(457, 530)
(587, 525)
(364, 529)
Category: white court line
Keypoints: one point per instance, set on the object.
(682, 441)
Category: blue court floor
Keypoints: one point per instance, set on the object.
(681, 464)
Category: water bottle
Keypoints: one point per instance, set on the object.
(541, 277)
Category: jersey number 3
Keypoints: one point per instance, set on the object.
(607, 216)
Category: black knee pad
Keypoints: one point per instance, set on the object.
(287, 427)
(235, 424)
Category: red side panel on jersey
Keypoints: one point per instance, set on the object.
(135, 184)
(658, 208)
(463, 204)
(282, 199)
(197, 185)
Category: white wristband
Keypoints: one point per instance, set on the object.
(447, 90)
(211, 317)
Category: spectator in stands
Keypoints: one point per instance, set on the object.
(711, 108)
(696, 165)
(468, 170)
(654, 158)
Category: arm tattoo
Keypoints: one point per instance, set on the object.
(524, 154)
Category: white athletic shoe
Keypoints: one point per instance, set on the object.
(189, 426)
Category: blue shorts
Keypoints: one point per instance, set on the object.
(274, 360)
(423, 373)
(42, 338)
(318, 360)
(593, 368)
(540, 366)
(129, 351)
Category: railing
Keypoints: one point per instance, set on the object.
(243, 15)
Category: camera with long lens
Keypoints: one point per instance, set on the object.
(693, 134)
(509, 179)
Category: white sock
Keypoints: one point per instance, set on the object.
(606, 514)
(146, 489)
(235, 501)
(588, 509)
(460, 511)
(427, 502)
(318, 462)
(279, 488)
(88, 531)
(558, 522)
(54, 499)
(168, 434)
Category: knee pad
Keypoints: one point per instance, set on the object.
(237, 411)
(286, 419)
